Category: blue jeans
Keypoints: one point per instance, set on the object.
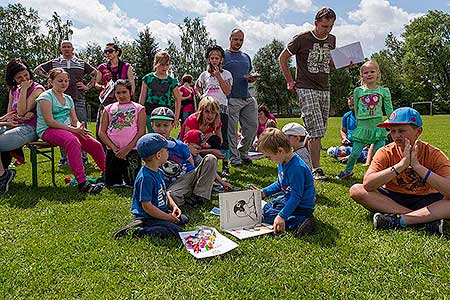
(272, 208)
(161, 228)
(16, 137)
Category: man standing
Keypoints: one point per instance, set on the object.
(241, 105)
(77, 70)
(312, 52)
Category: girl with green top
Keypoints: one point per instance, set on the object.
(158, 88)
(369, 100)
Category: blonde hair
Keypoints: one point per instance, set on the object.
(212, 104)
(366, 64)
(273, 138)
(161, 58)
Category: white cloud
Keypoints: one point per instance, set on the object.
(276, 7)
(200, 7)
(164, 32)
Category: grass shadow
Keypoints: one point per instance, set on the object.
(325, 235)
(321, 199)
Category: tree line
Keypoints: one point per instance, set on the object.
(416, 66)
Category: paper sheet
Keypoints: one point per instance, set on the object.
(347, 55)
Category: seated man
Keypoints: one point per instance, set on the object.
(408, 181)
(348, 124)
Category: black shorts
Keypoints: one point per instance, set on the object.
(413, 202)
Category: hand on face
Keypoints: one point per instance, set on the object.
(26, 84)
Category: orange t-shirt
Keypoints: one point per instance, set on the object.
(409, 182)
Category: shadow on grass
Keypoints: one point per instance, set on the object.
(27, 196)
(324, 235)
(325, 201)
(346, 182)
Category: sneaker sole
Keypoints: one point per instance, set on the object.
(306, 227)
(346, 176)
(124, 230)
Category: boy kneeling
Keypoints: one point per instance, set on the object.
(150, 203)
(293, 210)
(408, 181)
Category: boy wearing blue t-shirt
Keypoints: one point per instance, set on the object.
(151, 202)
(293, 209)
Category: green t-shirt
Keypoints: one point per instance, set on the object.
(369, 103)
(61, 113)
(159, 91)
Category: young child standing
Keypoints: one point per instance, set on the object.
(217, 82)
(188, 105)
(298, 137)
(151, 202)
(369, 100)
(158, 88)
(122, 124)
(293, 209)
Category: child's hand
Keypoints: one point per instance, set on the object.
(194, 149)
(11, 115)
(414, 162)
(176, 212)
(122, 153)
(279, 225)
(172, 218)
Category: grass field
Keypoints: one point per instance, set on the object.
(56, 244)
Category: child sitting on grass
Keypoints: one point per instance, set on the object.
(298, 138)
(293, 209)
(151, 202)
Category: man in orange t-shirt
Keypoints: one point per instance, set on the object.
(408, 181)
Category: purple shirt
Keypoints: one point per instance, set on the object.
(15, 94)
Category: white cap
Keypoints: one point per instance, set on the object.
(294, 129)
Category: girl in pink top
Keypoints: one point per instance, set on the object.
(122, 124)
(188, 105)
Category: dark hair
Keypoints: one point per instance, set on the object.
(325, 13)
(115, 47)
(123, 82)
(263, 108)
(186, 78)
(208, 53)
(12, 68)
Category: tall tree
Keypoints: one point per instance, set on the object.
(190, 58)
(146, 48)
(271, 86)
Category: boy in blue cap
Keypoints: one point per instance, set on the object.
(151, 202)
(408, 181)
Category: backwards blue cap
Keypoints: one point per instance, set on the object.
(401, 116)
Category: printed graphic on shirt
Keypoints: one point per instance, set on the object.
(319, 58)
(122, 118)
(284, 188)
(162, 196)
(410, 180)
(370, 101)
(173, 169)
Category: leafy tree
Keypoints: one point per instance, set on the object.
(271, 86)
(194, 42)
(145, 47)
(58, 30)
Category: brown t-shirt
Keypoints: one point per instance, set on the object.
(313, 58)
(409, 182)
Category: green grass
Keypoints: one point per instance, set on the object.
(56, 244)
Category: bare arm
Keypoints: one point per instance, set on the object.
(143, 95)
(98, 81)
(130, 77)
(104, 122)
(10, 102)
(25, 104)
(155, 212)
(177, 96)
(283, 62)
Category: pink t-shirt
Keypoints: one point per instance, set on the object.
(123, 122)
(192, 123)
(261, 127)
(187, 105)
(15, 94)
(107, 76)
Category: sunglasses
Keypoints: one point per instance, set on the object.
(108, 51)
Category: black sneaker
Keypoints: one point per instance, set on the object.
(306, 227)
(318, 174)
(436, 227)
(225, 171)
(124, 231)
(90, 188)
(246, 161)
(62, 162)
(5, 180)
(386, 221)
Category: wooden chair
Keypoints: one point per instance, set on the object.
(48, 152)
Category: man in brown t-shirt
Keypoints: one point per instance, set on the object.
(312, 50)
(408, 181)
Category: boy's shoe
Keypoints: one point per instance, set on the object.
(236, 163)
(246, 161)
(195, 200)
(344, 175)
(5, 180)
(62, 162)
(386, 221)
(124, 230)
(306, 227)
(436, 227)
(90, 188)
(85, 160)
(225, 171)
(318, 174)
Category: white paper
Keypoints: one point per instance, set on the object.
(241, 214)
(347, 55)
(255, 155)
(220, 244)
(106, 91)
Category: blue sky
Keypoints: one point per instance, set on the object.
(367, 21)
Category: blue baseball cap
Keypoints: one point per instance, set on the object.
(151, 143)
(402, 116)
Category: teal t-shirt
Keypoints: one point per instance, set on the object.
(159, 91)
(61, 113)
(369, 103)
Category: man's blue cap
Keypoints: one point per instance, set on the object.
(402, 116)
(151, 143)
